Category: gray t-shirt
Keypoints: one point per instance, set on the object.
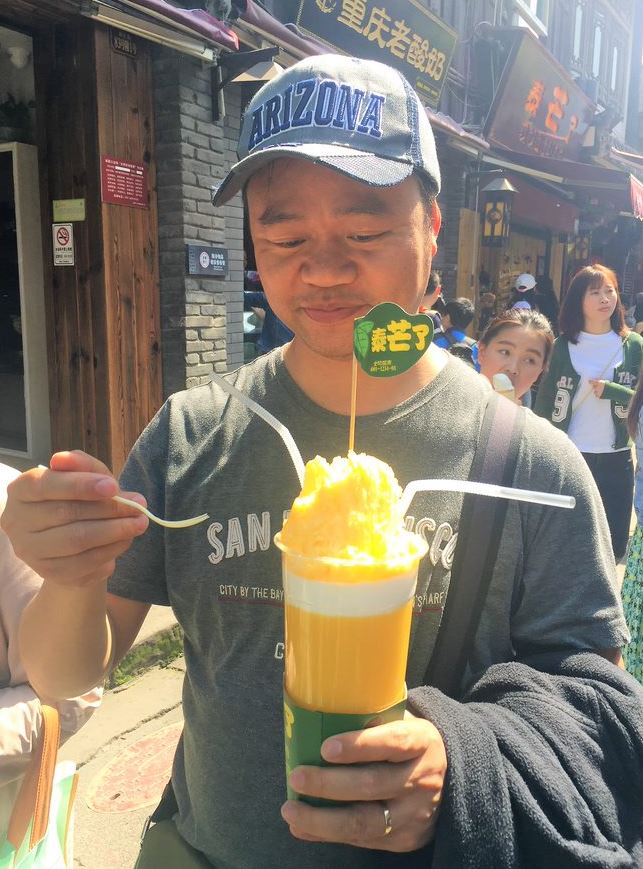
(205, 453)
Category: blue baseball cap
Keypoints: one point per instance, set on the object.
(357, 116)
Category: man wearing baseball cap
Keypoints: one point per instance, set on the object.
(522, 294)
(525, 282)
(338, 168)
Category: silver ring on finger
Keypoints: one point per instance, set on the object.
(388, 821)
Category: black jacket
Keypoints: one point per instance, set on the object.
(545, 767)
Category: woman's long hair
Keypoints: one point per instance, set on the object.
(571, 321)
(528, 319)
(635, 408)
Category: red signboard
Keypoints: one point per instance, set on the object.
(538, 108)
(123, 182)
(636, 192)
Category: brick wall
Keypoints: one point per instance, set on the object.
(201, 318)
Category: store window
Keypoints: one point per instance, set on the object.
(533, 14)
(614, 73)
(578, 32)
(596, 52)
(24, 422)
(562, 35)
(13, 431)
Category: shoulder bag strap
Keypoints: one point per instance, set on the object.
(34, 796)
(481, 525)
(449, 337)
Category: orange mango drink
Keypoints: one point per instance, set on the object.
(349, 574)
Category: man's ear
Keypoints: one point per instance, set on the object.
(436, 223)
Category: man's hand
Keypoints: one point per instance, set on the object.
(63, 523)
(403, 765)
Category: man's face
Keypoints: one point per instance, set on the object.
(329, 248)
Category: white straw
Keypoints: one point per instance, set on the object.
(492, 491)
(279, 427)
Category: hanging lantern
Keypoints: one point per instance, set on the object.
(582, 245)
(496, 211)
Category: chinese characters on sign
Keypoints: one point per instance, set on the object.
(401, 33)
(207, 261)
(63, 244)
(388, 340)
(551, 141)
(122, 42)
(123, 182)
(538, 109)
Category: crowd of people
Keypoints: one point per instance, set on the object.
(585, 382)
(537, 758)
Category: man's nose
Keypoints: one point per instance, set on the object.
(328, 264)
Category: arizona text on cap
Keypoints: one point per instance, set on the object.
(525, 282)
(359, 117)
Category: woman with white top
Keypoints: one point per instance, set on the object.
(593, 371)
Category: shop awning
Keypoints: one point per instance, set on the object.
(192, 31)
(534, 206)
(531, 205)
(626, 191)
(459, 137)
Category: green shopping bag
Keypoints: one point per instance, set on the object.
(41, 820)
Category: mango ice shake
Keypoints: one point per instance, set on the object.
(349, 571)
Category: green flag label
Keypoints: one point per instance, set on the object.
(388, 341)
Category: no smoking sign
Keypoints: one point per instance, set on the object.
(63, 244)
(62, 236)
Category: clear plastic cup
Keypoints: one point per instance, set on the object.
(347, 628)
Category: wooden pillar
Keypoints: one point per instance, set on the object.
(102, 313)
(74, 295)
(130, 245)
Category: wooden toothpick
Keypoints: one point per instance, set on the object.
(351, 430)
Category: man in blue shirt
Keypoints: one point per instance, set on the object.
(459, 313)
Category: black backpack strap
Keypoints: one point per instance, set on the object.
(449, 337)
(479, 534)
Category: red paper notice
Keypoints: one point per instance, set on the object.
(123, 182)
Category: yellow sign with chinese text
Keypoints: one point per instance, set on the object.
(388, 340)
(401, 33)
(68, 210)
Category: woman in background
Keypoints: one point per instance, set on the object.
(586, 392)
(516, 343)
(20, 719)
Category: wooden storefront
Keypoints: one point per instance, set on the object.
(101, 313)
